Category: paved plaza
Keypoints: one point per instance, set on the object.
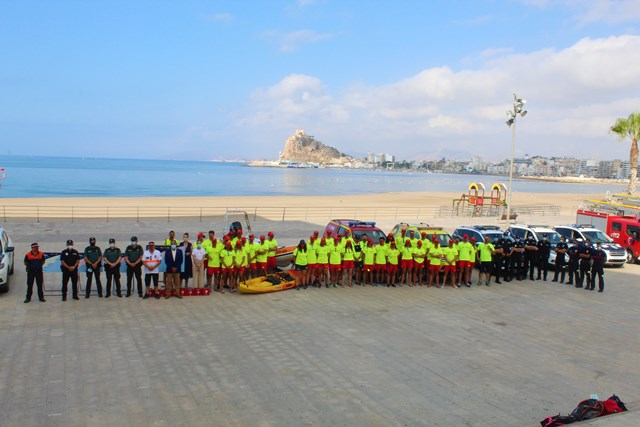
(505, 355)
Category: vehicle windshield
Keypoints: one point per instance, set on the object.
(443, 239)
(597, 236)
(493, 236)
(374, 235)
(554, 237)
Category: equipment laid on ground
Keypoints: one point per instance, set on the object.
(587, 410)
(271, 283)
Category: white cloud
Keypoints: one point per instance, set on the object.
(574, 95)
(291, 41)
(608, 11)
(594, 11)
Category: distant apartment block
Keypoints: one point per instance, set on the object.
(380, 159)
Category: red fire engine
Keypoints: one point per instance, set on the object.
(623, 229)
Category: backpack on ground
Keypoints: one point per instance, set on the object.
(588, 409)
(557, 420)
(613, 405)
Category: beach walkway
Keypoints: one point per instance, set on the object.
(507, 355)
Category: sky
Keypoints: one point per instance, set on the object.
(203, 80)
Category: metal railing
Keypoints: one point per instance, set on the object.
(173, 213)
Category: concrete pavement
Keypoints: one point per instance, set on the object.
(505, 355)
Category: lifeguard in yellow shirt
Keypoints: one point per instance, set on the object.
(419, 256)
(450, 257)
(465, 254)
(435, 263)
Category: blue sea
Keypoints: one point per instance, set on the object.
(34, 176)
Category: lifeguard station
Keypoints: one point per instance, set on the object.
(476, 203)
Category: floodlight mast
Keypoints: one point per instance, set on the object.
(518, 109)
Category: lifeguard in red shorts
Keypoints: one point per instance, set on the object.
(406, 262)
(272, 247)
(465, 252)
(419, 255)
(450, 257)
(381, 261)
(435, 263)
(261, 256)
(322, 260)
(392, 263)
(312, 260)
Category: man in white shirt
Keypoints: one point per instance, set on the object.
(151, 259)
(197, 255)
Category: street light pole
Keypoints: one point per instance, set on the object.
(518, 110)
(513, 151)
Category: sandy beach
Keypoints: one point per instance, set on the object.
(386, 209)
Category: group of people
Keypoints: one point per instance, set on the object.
(412, 260)
(408, 259)
(209, 262)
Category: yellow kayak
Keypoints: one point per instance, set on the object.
(271, 283)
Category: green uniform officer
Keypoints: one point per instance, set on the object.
(112, 258)
(93, 261)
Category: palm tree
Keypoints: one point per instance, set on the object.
(630, 128)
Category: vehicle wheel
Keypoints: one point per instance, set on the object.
(4, 288)
(631, 258)
(11, 271)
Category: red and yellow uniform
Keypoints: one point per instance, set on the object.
(392, 258)
(450, 255)
(435, 258)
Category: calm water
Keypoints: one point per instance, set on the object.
(32, 176)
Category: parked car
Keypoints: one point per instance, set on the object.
(356, 228)
(537, 231)
(577, 233)
(6, 259)
(479, 232)
(420, 228)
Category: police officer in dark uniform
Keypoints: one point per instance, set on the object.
(585, 264)
(530, 255)
(572, 267)
(133, 259)
(599, 257)
(69, 261)
(498, 259)
(507, 249)
(112, 258)
(544, 250)
(517, 258)
(561, 252)
(93, 261)
(34, 260)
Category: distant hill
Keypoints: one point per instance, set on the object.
(301, 147)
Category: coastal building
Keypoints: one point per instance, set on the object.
(380, 158)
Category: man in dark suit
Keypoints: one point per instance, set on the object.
(173, 258)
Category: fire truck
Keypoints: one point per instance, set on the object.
(619, 217)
